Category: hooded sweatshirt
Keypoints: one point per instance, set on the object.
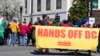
(14, 27)
(23, 29)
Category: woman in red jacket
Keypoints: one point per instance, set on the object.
(23, 32)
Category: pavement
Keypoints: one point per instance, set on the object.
(29, 51)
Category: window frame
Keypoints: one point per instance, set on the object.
(49, 4)
(25, 6)
(57, 4)
(38, 5)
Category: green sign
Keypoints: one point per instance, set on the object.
(94, 3)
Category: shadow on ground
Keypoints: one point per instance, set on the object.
(67, 53)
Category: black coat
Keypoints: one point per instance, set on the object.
(99, 37)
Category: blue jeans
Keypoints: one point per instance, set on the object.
(13, 38)
(9, 39)
(22, 40)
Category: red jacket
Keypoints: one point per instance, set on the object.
(29, 27)
(23, 29)
(85, 26)
(65, 25)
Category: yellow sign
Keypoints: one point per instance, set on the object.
(66, 37)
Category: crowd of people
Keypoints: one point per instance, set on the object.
(21, 34)
(18, 34)
(65, 23)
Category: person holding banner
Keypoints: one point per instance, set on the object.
(49, 21)
(86, 25)
(65, 23)
(98, 48)
(95, 25)
(44, 22)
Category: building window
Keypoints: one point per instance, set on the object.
(58, 4)
(31, 6)
(48, 2)
(95, 4)
(25, 6)
(38, 5)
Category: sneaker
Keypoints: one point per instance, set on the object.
(15, 45)
(46, 50)
(38, 51)
(11, 45)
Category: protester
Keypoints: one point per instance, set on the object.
(98, 47)
(39, 22)
(23, 32)
(14, 29)
(65, 24)
(18, 35)
(75, 25)
(86, 25)
(8, 32)
(44, 22)
(29, 34)
(49, 21)
(33, 36)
